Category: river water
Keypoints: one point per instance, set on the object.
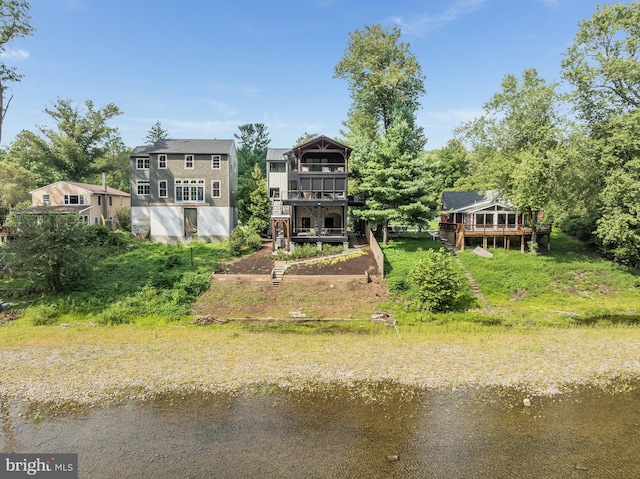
(377, 432)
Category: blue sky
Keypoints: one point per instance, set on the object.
(204, 67)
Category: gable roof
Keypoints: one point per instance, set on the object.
(86, 186)
(186, 146)
(322, 143)
(459, 201)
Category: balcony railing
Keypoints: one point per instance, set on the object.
(494, 229)
(320, 232)
(316, 195)
(322, 168)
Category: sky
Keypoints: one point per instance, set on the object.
(204, 67)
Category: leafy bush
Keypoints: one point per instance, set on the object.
(435, 282)
(244, 239)
(123, 219)
(43, 315)
(194, 284)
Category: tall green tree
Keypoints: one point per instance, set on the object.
(603, 67)
(258, 204)
(15, 185)
(254, 141)
(516, 143)
(381, 73)
(603, 64)
(396, 184)
(156, 133)
(49, 250)
(15, 22)
(115, 163)
(81, 138)
(386, 169)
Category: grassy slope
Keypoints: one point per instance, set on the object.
(566, 282)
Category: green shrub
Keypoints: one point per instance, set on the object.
(244, 239)
(43, 315)
(194, 284)
(435, 282)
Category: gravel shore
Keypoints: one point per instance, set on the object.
(103, 368)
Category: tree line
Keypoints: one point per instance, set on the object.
(575, 154)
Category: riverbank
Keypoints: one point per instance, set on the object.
(88, 366)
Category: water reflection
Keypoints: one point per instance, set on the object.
(335, 433)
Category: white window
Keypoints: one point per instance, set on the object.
(74, 199)
(215, 190)
(85, 219)
(215, 162)
(143, 187)
(46, 200)
(162, 189)
(162, 161)
(188, 162)
(142, 163)
(189, 191)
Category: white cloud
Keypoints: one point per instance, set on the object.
(428, 23)
(17, 54)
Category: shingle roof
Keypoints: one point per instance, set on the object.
(88, 187)
(98, 188)
(454, 200)
(186, 146)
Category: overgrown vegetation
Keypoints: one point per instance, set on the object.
(125, 280)
(568, 285)
(244, 239)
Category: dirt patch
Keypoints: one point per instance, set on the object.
(261, 262)
(331, 293)
(321, 298)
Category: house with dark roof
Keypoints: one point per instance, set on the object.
(183, 189)
(96, 204)
(308, 190)
(484, 218)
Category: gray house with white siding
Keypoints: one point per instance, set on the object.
(183, 189)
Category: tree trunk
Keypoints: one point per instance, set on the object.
(385, 231)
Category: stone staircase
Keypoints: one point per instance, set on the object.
(277, 273)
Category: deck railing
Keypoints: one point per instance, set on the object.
(316, 195)
(493, 229)
(320, 232)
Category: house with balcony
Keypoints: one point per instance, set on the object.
(95, 204)
(483, 218)
(308, 190)
(184, 189)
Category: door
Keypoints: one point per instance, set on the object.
(190, 222)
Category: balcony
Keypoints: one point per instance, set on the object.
(491, 229)
(310, 233)
(317, 195)
(313, 167)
